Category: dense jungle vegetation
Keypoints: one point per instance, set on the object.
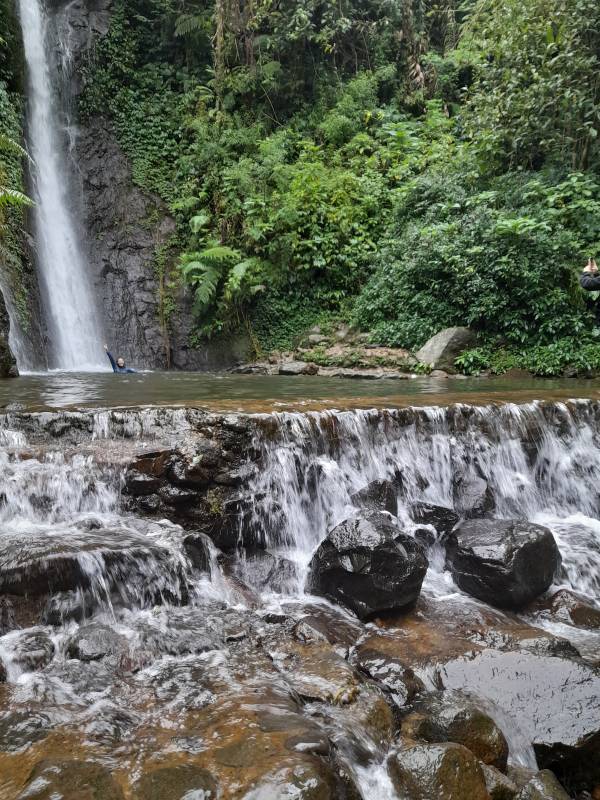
(402, 165)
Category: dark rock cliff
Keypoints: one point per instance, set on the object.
(127, 232)
(8, 364)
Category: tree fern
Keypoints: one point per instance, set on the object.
(188, 24)
(204, 271)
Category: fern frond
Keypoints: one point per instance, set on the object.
(10, 145)
(12, 197)
(187, 24)
(206, 288)
(219, 254)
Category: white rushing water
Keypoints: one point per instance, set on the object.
(137, 579)
(538, 468)
(74, 331)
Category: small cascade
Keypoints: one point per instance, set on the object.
(146, 639)
(541, 463)
(74, 329)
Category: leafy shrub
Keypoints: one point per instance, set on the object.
(481, 260)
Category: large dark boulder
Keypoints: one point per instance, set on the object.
(454, 717)
(506, 563)
(368, 565)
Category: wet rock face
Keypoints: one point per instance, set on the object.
(377, 496)
(432, 771)
(505, 563)
(453, 717)
(369, 566)
(41, 566)
(441, 518)
(8, 363)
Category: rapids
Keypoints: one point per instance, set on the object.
(123, 648)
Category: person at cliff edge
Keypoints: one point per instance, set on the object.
(118, 365)
(590, 281)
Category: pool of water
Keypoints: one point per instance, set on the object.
(267, 392)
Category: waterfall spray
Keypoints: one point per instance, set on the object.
(73, 326)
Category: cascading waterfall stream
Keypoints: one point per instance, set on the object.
(192, 646)
(74, 330)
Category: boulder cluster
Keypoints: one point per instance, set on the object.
(371, 565)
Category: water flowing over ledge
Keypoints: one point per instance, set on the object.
(152, 590)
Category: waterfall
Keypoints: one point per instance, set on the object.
(540, 461)
(73, 327)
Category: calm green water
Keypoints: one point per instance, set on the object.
(264, 393)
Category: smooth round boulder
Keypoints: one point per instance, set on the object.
(368, 565)
(453, 717)
(433, 771)
(506, 563)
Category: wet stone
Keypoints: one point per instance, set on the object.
(543, 786)
(567, 607)
(33, 650)
(380, 495)
(506, 563)
(499, 786)
(433, 771)
(441, 518)
(70, 780)
(19, 729)
(312, 780)
(473, 496)
(95, 642)
(453, 717)
(366, 564)
(176, 783)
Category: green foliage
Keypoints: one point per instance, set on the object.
(499, 260)
(408, 165)
(567, 356)
(536, 97)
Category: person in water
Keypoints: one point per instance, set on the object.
(590, 281)
(118, 365)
